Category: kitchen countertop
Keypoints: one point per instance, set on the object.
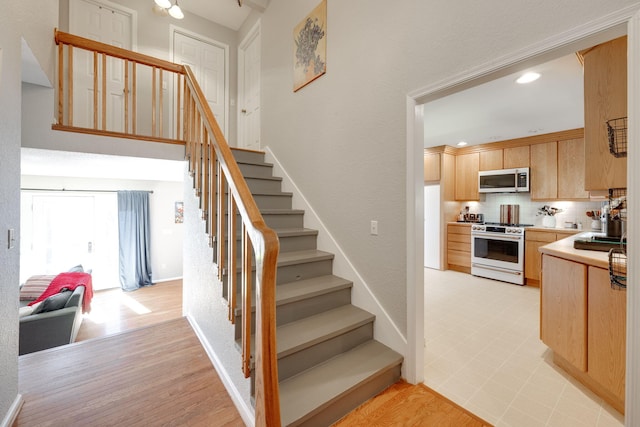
(556, 229)
(564, 249)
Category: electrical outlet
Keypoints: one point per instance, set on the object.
(374, 228)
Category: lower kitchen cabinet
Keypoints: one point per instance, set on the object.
(533, 240)
(607, 327)
(459, 247)
(563, 309)
(583, 320)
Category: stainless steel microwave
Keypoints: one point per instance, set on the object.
(504, 181)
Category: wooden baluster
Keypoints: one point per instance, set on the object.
(95, 90)
(178, 104)
(212, 200)
(61, 83)
(104, 92)
(185, 112)
(232, 277)
(126, 96)
(204, 199)
(160, 104)
(246, 302)
(154, 85)
(192, 127)
(134, 98)
(70, 94)
(220, 227)
(198, 180)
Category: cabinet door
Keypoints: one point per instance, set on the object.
(432, 167)
(532, 256)
(516, 157)
(605, 98)
(563, 309)
(544, 171)
(467, 166)
(490, 160)
(571, 170)
(607, 332)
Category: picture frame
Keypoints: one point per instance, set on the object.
(310, 47)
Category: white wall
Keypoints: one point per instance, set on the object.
(166, 235)
(343, 137)
(29, 19)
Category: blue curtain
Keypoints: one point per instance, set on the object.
(134, 238)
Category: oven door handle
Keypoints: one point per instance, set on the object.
(501, 270)
(497, 237)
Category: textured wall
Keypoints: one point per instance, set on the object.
(41, 18)
(343, 137)
(202, 298)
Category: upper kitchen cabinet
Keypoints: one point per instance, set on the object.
(490, 160)
(467, 166)
(516, 157)
(431, 167)
(605, 98)
(544, 171)
(571, 172)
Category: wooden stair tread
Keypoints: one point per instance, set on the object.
(301, 257)
(310, 330)
(309, 392)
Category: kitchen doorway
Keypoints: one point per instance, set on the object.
(589, 35)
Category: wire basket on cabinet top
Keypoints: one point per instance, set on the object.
(617, 132)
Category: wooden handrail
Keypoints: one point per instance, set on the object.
(221, 187)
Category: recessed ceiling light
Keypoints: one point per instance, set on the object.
(461, 144)
(528, 78)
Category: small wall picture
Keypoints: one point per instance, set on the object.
(310, 47)
(179, 212)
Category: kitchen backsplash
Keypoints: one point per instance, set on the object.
(571, 211)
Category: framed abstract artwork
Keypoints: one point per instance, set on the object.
(179, 212)
(310, 47)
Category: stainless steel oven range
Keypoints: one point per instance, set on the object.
(497, 252)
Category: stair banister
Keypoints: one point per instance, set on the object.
(210, 158)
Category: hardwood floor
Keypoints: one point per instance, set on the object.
(152, 376)
(114, 311)
(404, 404)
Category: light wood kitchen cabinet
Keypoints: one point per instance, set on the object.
(431, 167)
(533, 240)
(571, 172)
(490, 160)
(467, 166)
(605, 98)
(606, 333)
(516, 157)
(544, 171)
(459, 247)
(563, 309)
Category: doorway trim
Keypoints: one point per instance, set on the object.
(624, 21)
(254, 33)
(173, 29)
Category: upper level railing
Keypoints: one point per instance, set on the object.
(122, 94)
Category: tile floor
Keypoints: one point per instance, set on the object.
(483, 352)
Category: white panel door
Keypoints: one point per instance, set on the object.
(208, 64)
(250, 102)
(101, 23)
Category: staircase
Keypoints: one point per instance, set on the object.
(328, 361)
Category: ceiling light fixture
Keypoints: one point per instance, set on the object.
(173, 9)
(528, 78)
(461, 144)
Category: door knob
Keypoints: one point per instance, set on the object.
(243, 111)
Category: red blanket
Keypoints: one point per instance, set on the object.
(69, 281)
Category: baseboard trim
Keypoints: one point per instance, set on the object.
(385, 330)
(14, 410)
(247, 413)
(170, 279)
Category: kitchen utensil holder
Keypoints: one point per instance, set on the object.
(617, 132)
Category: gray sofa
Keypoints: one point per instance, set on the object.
(52, 328)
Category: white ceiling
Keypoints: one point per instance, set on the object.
(40, 162)
(223, 12)
(503, 109)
